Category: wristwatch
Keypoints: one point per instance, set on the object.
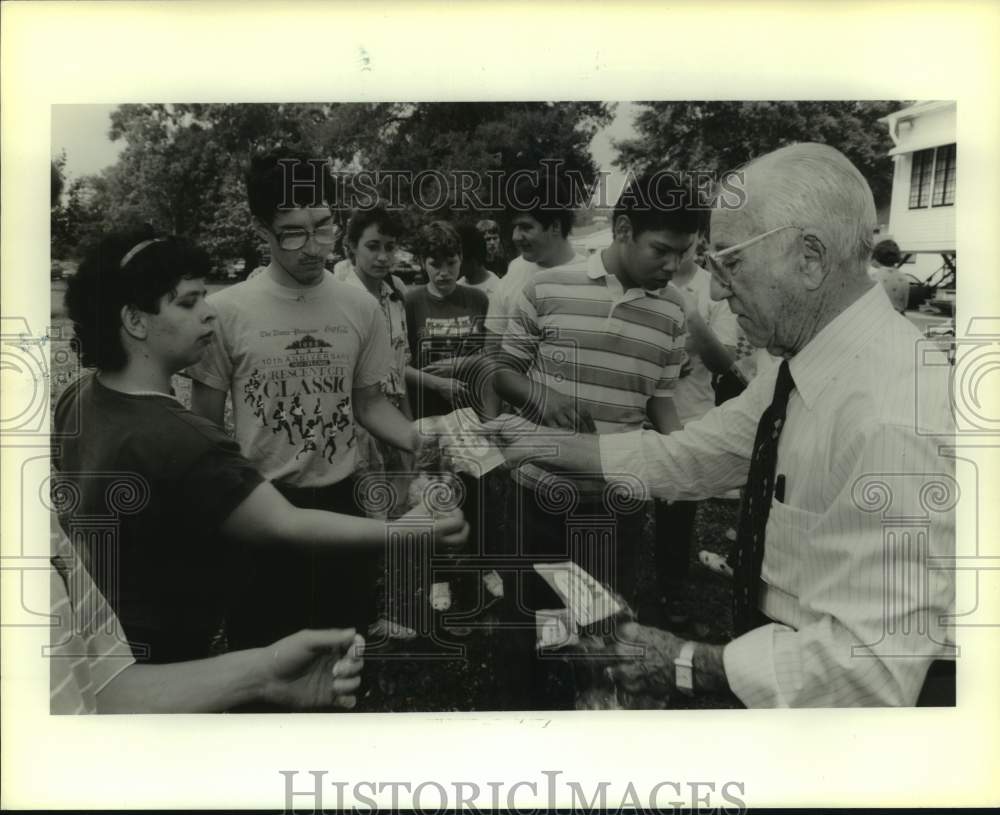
(684, 669)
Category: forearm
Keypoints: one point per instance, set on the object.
(709, 670)
(662, 413)
(517, 389)
(405, 408)
(202, 686)
(266, 519)
(580, 452)
(320, 530)
(384, 421)
(419, 379)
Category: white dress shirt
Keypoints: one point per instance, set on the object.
(846, 574)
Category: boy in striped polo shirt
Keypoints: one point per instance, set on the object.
(598, 350)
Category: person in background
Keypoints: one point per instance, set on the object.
(598, 350)
(711, 343)
(542, 214)
(372, 237)
(496, 257)
(445, 321)
(884, 269)
(475, 273)
(295, 331)
(344, 268)
(445, 324)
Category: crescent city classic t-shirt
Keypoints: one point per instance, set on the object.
(291, 358)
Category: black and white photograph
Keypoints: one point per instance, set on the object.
(635, 414)
(439, 414)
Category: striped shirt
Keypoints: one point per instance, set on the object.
(505, 298)
(849, 572)
(88, 647)
(609, 348)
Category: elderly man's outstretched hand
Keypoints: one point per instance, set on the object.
(313, 669)
(643, 663)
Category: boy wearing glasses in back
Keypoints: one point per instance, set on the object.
(294, 335)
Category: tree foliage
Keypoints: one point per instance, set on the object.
(721, 136)
(182, 165)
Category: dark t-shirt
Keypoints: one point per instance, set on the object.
(142, 492)
(441, 329)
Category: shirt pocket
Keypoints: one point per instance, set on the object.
(786, 546)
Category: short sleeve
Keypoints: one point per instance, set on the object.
(217, 482)
(676, 356)
(523, 333)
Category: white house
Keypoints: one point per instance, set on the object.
(922, 212)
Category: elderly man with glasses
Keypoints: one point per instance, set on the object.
(836, 599)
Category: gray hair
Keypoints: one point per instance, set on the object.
(815, 185)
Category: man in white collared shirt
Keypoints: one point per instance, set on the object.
(862, 500)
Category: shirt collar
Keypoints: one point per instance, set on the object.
(384, 291)
(839, 343)
(596, 270)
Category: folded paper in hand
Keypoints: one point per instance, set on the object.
(586, 599)
(465, 440)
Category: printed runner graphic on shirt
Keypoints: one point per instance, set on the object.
(291, 395)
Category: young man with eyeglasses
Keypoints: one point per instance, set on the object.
(300, 333)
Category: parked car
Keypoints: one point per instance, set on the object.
(230, 270)
(408, 269)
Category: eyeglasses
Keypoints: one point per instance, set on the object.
(296, 238)
(713, 258)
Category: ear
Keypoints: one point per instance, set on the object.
(623, 229)
(813, 266)
(134, 322)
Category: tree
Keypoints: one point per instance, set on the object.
(462, 142)
(182, 165)
(721, 136)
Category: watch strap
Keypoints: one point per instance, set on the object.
(684, 669)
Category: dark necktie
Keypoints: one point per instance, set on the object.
(757, 506)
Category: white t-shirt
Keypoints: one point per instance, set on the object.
(290, 359)
(693, 394)
(505, 298)
(343, 269)
(488, 286)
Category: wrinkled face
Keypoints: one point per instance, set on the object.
(375, 253)
(304, 264)
(757, 281)
(653, 257)
(443, 273)
(535, 242)
(183, 329)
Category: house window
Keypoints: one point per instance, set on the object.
(944, 177)
(932, 178)
(920, 178)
